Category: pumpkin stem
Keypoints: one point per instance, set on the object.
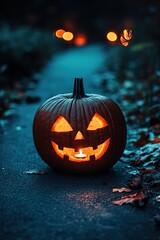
(78, 90)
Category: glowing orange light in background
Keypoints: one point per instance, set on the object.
(59, 33)
(80, 40)
(127, 34)
(67, 36)
(111, 36)
(125, 37)
(124, 41)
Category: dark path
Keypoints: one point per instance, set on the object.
(57, 206)
(77, 62)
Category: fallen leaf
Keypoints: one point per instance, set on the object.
(136, 182)
(158, 198)
(121, 190)
(35, 172)
(156, 140)
(137, 199)
(146, 171)
(142, 140)
(136, 162)
(155, 127)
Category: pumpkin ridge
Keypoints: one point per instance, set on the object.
(45, 108)
(94, 111)
(117, 142)
(111, 127)
(47, 105)
(87, 116)
(53, 108)
(47, 102)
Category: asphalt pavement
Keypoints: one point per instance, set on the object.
(54, 205)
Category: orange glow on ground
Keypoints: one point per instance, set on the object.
(59, 33)
(67, 36)
(111, 36)
(80, 40)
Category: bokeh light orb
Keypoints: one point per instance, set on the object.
(80, 40)
(111, 36)
(59, 33)
(67, 36)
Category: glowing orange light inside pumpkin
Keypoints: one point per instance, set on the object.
(70, 152)
(59, 33)
(67, 36)
(111, 36)
(79, 136)
(97, 122)
(61, 125)
(80, 40)
(85, 154)
(80, 154)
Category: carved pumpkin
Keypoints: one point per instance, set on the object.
(78, 132)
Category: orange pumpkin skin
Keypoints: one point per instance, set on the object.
(66, 123)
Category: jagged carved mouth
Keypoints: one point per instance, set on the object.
(91, 154)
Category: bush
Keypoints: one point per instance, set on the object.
(23, 51)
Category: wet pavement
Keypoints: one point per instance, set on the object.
(55, 205)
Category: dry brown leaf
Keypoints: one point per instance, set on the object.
(158, 198)
(156, 140)
(136, 182)
(142, 140)
(138, 199)
(136, 163)
(146, 171)
(121, 190)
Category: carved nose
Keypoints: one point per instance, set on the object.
(79, 136)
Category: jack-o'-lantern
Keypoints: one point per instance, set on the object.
(78, 132)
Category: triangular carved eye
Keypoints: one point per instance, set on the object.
(61, 125)
(97, 122)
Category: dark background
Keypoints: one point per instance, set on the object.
(91, 17)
